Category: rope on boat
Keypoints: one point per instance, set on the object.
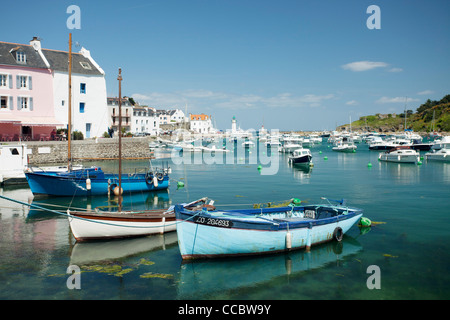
(94, 221)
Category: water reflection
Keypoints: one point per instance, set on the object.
(400, 173)
(98, 251)
(199, 279)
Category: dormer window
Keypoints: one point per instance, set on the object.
(21, 57)
(85, 65)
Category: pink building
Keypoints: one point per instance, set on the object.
(26, 93)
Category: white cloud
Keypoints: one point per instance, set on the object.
(359, 66)
(352, 103)
(395, 70)
(425, 92)
(395, 100)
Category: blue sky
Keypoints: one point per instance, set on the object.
(290, 64)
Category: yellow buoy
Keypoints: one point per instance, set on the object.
(118, 191)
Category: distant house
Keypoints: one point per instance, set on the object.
(34, 92)
(201, 123)
(145, 120)
(113, 112)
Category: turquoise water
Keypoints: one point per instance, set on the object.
(410, 246)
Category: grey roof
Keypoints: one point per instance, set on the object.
(8, 55)
(58, 60)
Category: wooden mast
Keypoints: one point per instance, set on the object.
(120, 139)
(69, 128)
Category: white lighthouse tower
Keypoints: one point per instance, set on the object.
(233, 125)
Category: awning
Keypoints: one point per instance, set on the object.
(30, 121)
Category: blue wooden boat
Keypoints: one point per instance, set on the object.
(93, 181)
(225, 233)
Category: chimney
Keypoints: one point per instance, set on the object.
(36, 43)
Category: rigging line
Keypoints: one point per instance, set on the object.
(94, 221)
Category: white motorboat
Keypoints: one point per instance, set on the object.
(400, 154)
(440, 155)
(290, 147)
(13, 162)
(300, 156)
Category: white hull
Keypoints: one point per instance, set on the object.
(107, 229)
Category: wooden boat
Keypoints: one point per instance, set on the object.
(400, 154)
(98, 225)
(225, 233)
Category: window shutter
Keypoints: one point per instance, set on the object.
(17, 82)
(31, 102)
(19, 103)
(29, 83)
(10, 81)
(11, 103)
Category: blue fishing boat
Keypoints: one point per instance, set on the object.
(93, 181)
(225, 233)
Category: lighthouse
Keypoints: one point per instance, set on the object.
(233, 125)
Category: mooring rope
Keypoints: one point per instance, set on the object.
(90, 220)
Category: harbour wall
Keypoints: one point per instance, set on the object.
(56, 152)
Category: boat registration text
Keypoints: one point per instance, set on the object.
(214, 222)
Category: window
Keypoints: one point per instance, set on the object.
(3, 102)
(24, 103)
(21, 57)
(22, 81)
(62, 103)
(81, 107)
(3, 80)
(85, 65)
(82, 87)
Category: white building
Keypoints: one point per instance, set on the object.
(89, 109)
(170, 116)
(201, 123)
(145, 120)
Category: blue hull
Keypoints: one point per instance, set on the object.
(260, 231)
(75, 183)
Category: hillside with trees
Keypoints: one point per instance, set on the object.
(430, 116)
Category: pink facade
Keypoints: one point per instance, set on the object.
(27, 103)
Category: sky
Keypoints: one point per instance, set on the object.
(285, 64)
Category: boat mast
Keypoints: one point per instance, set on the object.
(119, 78)
(69, 127)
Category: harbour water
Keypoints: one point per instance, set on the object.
(410, 243)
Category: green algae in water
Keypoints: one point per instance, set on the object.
(114, 270)
(151, 275)
(146, 262)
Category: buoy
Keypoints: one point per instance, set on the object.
(288, 240)
(118, 191)
(88, 184)
(296, 201)
(155, 181)
(180, 184)
(259, 167)
(325, 158)
(419, 162)
(354, 151)
(369, 164)
(320, 152)
(365, 222)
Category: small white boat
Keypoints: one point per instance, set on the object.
(13, 161)
(301, 156)
(440, 155)
(247, 144)
(400, 155)
(290, 147)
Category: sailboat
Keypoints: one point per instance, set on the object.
(93, 181)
